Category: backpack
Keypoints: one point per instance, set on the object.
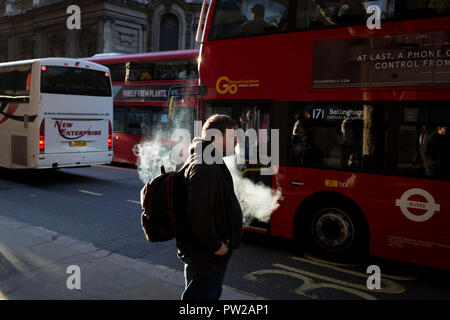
(160, 200)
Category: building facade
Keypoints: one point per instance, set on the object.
(38, 28)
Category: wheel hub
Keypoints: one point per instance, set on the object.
(333, 229)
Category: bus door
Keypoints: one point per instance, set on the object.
(253, 152)
(420, 205)
(253, 149)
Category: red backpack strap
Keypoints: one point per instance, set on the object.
(148, 194)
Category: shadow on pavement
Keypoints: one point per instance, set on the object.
(45, 177)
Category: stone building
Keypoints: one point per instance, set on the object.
(38, 28)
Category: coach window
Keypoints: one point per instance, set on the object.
(7, 87)
(346, 136)
(423, 140)
(22, 82)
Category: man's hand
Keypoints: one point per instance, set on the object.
(222, 250)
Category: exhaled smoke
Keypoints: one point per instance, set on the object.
(257, 200)
(152, 155)
(170, 151)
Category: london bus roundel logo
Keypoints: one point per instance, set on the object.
(428, 208)
(135, 150)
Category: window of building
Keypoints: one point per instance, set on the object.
(168, 32)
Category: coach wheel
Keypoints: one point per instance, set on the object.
(336, 232)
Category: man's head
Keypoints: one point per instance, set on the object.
(258, 12)
(221, 122)
(442, 130)
(307, 114)
(360, 115)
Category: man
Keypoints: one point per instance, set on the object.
(255, 26)
(444, 150)
(295, 143)
(211, 227)
(435, 152)
(354, 12)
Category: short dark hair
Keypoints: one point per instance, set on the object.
(258, 9)
(221, 122)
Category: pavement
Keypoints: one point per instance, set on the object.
(38, 264)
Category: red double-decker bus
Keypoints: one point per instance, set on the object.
(362, 114)
(141, 85)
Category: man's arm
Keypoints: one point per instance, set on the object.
(201, 188)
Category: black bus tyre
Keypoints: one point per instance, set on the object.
(336, 231)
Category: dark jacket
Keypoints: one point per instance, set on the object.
(213, 214)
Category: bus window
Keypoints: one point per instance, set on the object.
(211, 109)
(117, 71)
(254, 117)
(184, 69)
(312, 14)
(238, 18)
(140, 71)
(153, 121)
(325, 13)
(120, 114)
(423, 143)
(181, 69)
(426, 8)
(338, 136)
(164, 70)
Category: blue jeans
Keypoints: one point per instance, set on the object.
(201, 283)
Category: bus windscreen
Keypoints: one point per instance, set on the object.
(75, 81)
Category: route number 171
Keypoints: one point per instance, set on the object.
(318, 114)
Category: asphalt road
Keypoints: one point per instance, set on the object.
(100, 205)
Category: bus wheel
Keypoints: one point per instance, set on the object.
(337, 232)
